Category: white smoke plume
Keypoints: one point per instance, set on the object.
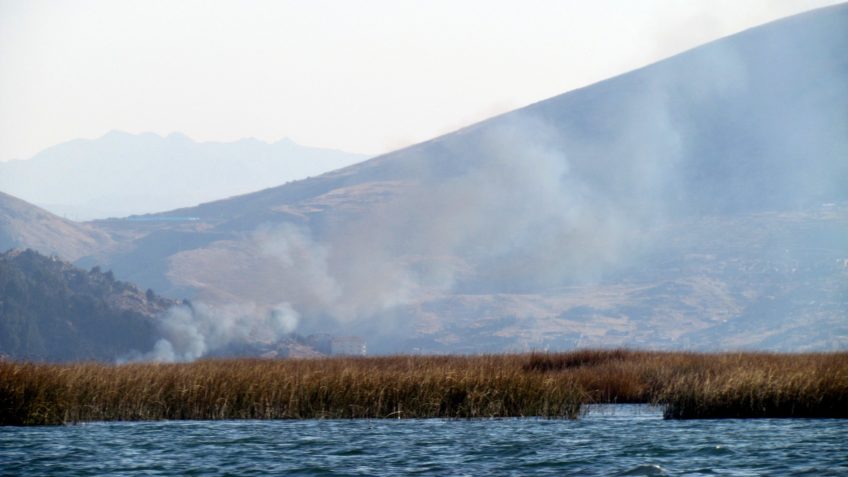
(189, 332)
(571, 190)
(514, 215)
(517, 216)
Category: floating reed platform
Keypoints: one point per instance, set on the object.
(554, 385)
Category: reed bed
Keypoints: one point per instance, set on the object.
(704, 386)
(764, 385)
(546, 385)
(393, 387)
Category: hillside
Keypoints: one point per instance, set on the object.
(24, 225)
(53, 311)
(718, 129)
(121, 174)
(699, 202)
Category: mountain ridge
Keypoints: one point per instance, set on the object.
(695, 203)
(23, 225)
(834, 16)
(584, 192)
(148, 172)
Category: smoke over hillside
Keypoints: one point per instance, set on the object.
(605, 216)
(192, 331)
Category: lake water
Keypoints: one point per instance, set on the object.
(618, 440)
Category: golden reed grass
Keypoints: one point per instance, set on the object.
(760, 385)
(553, 385)
(388, 387)
(720, 385)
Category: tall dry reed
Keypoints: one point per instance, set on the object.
(391, 387)
(760, 385)
(689, 385)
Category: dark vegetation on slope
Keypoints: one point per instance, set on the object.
(690, 385)
(53, 311)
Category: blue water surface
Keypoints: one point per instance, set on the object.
(609, 440)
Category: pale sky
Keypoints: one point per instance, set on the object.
(365, 76)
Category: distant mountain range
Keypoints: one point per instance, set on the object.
(700, 203)
(122, 174)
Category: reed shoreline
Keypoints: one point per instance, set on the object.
(548, 385)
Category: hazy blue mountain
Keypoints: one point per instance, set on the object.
(698, 202)
(121, 174)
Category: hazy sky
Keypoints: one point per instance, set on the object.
(362, 76)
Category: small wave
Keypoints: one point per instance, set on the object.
(645, 469)
(713, 450)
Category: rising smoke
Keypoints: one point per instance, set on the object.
(191, 331)
(517, 217)
(570, 190)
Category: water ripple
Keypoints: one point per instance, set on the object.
(620, 440)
